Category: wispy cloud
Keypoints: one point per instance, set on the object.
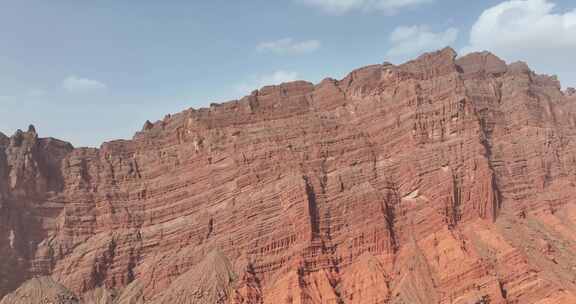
(36, 93)
(407, 41)
(288, 46)
(258, 81)
(79, 84)
(338, 7)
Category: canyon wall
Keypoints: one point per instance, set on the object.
(442, 180)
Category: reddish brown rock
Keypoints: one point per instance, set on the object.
(441, 180)
(482, 64)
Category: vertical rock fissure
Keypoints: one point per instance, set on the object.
(100, 269)
(495, 198)
(312, 208)
(453, 206)
(388, 209)
(503, 290)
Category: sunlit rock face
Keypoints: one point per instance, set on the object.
(441, 180)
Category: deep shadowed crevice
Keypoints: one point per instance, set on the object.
(312, 208)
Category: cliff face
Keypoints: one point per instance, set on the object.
(441, 180)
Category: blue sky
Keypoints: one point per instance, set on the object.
(90, 71)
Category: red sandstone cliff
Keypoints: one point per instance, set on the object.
(441, 180)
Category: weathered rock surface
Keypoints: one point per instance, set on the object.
(441, 180)
(41, 290)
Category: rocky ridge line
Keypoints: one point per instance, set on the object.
(441, 180)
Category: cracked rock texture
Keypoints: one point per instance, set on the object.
(442, 180)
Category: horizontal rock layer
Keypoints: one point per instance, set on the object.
(440, 180)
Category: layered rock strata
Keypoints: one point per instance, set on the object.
(441, 180)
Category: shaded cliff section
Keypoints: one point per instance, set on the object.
(30, 176)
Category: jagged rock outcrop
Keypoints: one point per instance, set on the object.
(209, 281)
(42, 290)
(30, 187)
(441, 180)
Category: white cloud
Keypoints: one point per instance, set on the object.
(256, 82)
(407, 41)
(288, 46)
(530, 30)
(339, 7)
(79, 84)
